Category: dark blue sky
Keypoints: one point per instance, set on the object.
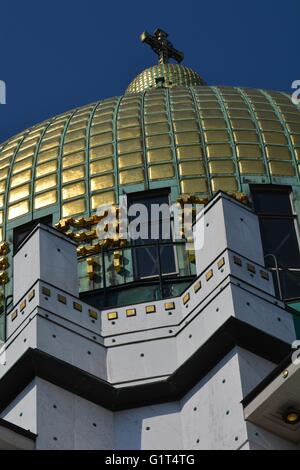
(59, 54)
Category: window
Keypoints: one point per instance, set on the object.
(158, 253)
(20, 233)
(279, 232)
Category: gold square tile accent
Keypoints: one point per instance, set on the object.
(74, 207)
(14, 315)
(252, 167)
(129, 145)
(74, 135)
(4, 173)
(46, 168)
(73, 159)
(237, 260)
(62, 298)
(22, 305)
(135, 175)
(186, 298)
(73, 190)
(248, 151)
(185, 126)
(99, 128)
(157, 128)
(221, 263)
(130, 159)
(295, 139)
(20, 178)
(169, 305)
(191, 151)
(93, 314)
(101, 139)
(130, 312)
(245, 136)
(242, 124)
(162, 140)
(297, 153)
(211, 113)
(183, 115)
(31, 295)
(45, 183)
(293, 127)
(102, 182)
(18, 209)
(209, 275)
(101, 152)
(101, 166)
(159, 155)
(197, 286)
(104, 198)
(216, 136)
(278, 153)
(187, 138)
(194, 168)
(45, 199)
(266, 115)
(73, 174)
(150, 309)
(19, 193)
(214, 124)
(128, 122)
(21, 166)
(129, 133)
(161, 172)
(221, 166)
(224, 183)
(251, 268)
(77, 306)
(2, 186)
(219, 151)
(112, 316)
(270, 126)
(264, 275)
(274, 138)
(281, 169)
(46, 291)
(238, 113)
(195, 185)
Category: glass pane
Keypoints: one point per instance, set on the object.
(290, 284)
(279, 238)
(272, 202)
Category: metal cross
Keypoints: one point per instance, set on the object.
(161, 46)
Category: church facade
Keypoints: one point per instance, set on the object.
(185, 340)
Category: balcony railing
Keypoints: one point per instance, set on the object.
(154, 262)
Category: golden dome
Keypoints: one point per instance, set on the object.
(168, 75)
(195, 140)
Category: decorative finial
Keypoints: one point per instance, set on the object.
(161, 46)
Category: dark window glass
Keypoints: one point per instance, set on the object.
(278, 226)
(20, 233)
(159, 255)
(272, 202)
(279, 238)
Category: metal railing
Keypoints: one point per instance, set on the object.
(105, 275)
(282, 276)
